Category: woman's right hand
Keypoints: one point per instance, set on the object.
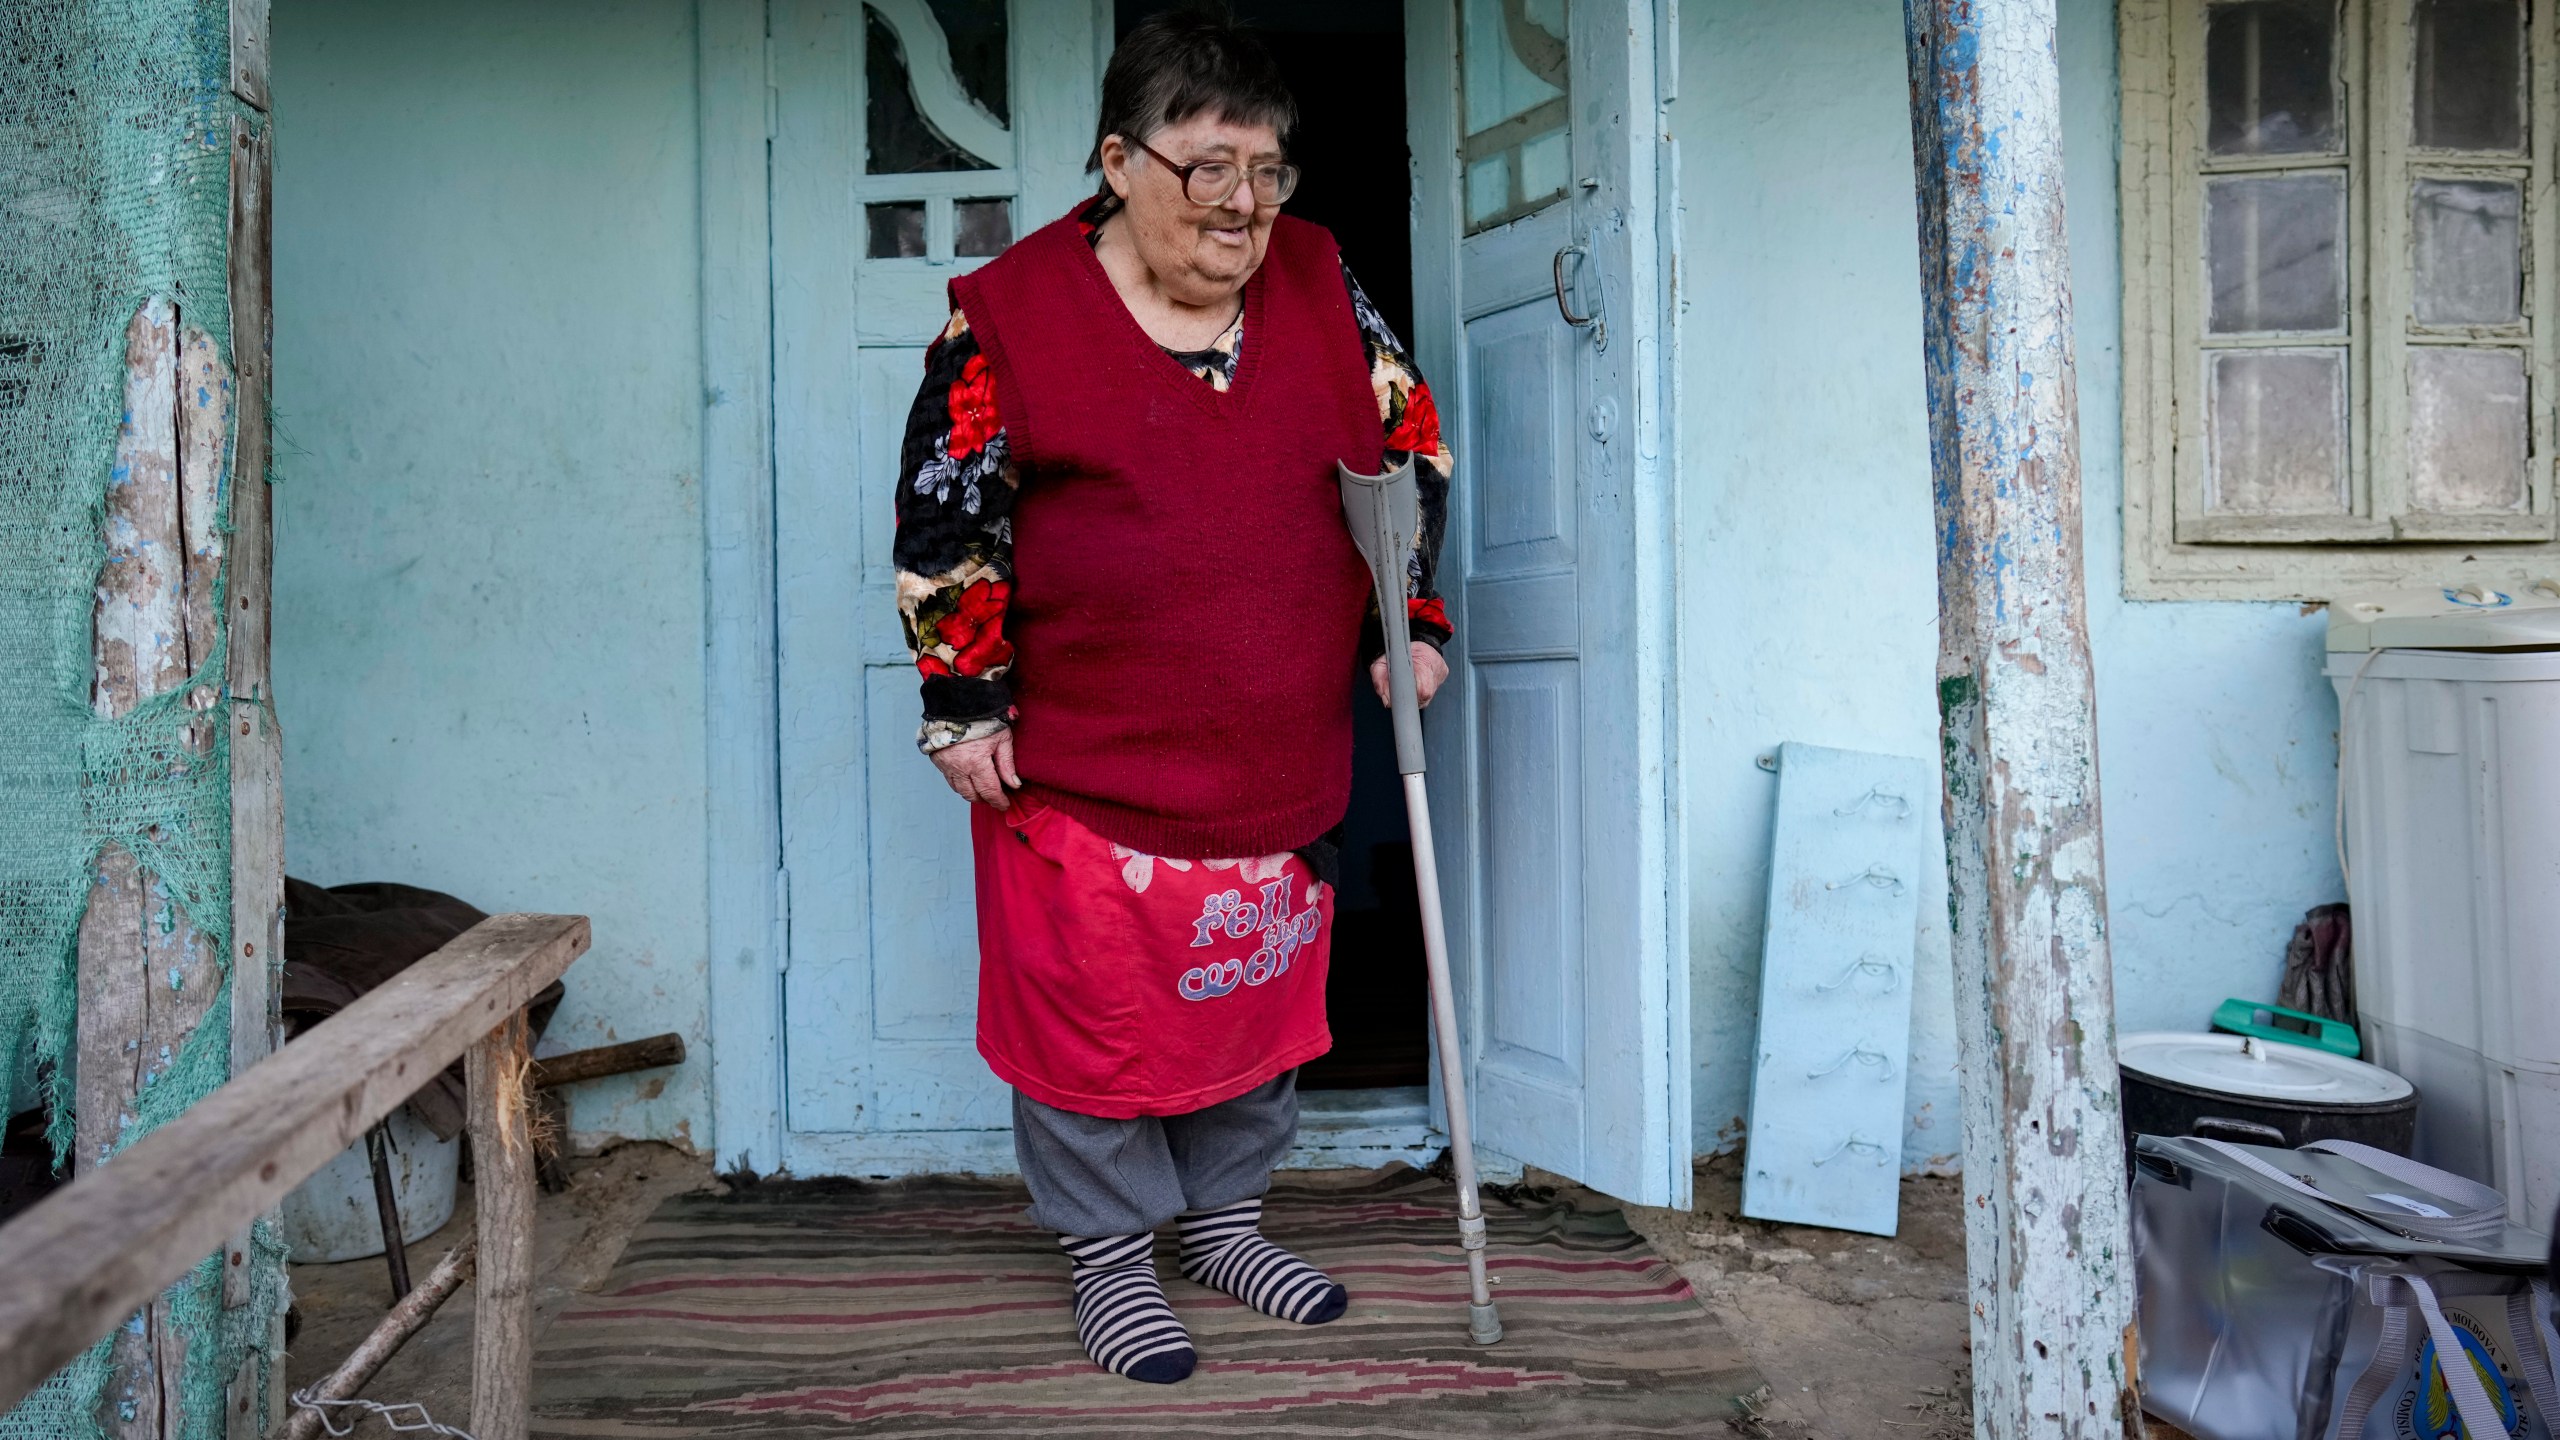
(981, 771)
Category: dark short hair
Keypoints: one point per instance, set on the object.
(1182, 62)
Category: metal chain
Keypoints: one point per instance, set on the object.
(391, 1416)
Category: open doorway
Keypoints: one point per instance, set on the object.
(1344, 60)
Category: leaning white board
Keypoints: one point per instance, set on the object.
(1825, 1138)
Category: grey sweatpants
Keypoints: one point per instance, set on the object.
(1091, 1177)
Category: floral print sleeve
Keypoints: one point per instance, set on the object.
(1413, 432)
(956, 487)
(954, 549)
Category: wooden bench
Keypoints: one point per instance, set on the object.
(101, 1247)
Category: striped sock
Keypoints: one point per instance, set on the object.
(1121, 1313)
(1224, 1250)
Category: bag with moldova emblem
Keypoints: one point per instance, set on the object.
(2335, 1292)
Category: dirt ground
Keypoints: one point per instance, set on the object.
(577, 1237)
(1860, 1338)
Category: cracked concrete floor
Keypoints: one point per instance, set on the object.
(1860, 1338)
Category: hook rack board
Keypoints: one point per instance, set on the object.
(1828, 1076)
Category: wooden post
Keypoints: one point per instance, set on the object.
(2046, 1239)
(257, 746)
(148, 976)
(497, 1071)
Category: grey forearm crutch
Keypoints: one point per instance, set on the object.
(1384, 511)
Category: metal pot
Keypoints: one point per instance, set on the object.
(2258, 1092)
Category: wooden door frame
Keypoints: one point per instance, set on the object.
(742, 814)
(742, 720)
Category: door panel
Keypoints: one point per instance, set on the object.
(880, 993)
(1535, 131)
(1520, 362)
(1529, 759)
(924, 931)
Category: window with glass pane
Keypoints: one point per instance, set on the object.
(2339, 278)
(900, 130)
(897, 230)
(2278, 432)
(2464, 410)
(2276, 255)
(936, 117)
(2269, 77)
(2469, 75)
(981, 227)
(2275, 252)
(1517, 154)
(2467, 249)
(2467, 430)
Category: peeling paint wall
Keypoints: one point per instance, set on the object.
(1810, 572)
(489, 549)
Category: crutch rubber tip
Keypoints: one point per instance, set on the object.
(1484, 1325)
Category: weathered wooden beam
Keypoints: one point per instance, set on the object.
(204, 430)
(604, 1060)
(497, 1072)
(81, 1261)
(2046, 1240)
(249, 27)
(257, 745)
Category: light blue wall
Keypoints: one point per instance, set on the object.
(1810, 573)
(489, 548)
(489, 597)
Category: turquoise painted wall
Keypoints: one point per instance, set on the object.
(489, 604)
(1810, 570)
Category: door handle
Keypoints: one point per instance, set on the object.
(1592, 322)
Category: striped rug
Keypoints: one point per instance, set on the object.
(933, 1307)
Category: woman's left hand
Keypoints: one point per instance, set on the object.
(1428, 671)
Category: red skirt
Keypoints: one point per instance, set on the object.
(1117, 984)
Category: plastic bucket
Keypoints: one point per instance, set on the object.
(332, 1216)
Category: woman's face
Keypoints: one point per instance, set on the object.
(1200, 254)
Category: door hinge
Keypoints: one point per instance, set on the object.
(782, 920)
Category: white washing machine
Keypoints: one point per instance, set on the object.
(2449, 752)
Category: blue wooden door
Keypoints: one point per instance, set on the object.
(911, 139)
(1540, 264)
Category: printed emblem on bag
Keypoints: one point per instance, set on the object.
(2425, 1409)
(1228, 914)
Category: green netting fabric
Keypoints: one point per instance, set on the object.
(115, 135)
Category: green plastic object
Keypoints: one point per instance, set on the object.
(2293, 1027)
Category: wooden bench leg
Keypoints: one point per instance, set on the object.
(503, 1190)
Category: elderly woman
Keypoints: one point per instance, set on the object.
(1139, 616)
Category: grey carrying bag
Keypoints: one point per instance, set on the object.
(2311, 1294)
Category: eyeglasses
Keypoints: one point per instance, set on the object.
(1210, 182)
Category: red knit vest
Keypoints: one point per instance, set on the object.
(1187, 603)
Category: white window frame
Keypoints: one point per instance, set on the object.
(2173, 549)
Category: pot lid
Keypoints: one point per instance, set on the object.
(2258, 1069)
